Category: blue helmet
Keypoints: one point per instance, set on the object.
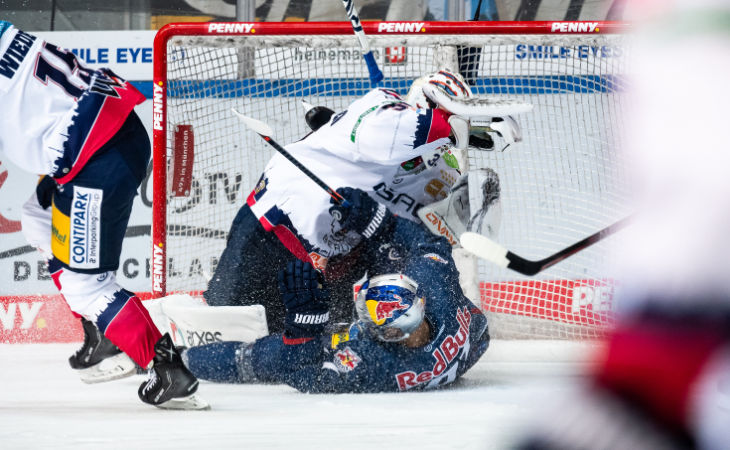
(389, 308)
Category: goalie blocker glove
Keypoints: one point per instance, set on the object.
(305, 300)
(364, 216)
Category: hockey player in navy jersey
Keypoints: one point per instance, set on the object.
(414, 330)
(401, 155)
(76, 128)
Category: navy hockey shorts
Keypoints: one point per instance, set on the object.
(90, 213)
(247, 271)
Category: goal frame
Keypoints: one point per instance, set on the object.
(159, 129)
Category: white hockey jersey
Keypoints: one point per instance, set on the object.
(56, 113)
(398, 154)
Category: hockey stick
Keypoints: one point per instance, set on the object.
(265, 132)
(376, 76)
(485, 248)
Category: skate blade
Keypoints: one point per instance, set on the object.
(193, 402)
(114, 368)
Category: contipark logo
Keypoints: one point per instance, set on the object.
(575, 27)
(401, 27)
(85, 227)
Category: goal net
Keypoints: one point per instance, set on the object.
(563, 182)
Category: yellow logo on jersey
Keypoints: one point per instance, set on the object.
(60, 230)
(338, 338)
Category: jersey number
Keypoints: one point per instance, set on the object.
(44, 70)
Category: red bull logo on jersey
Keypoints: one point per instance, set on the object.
(347, 359)
(444, 354)
(384, 310)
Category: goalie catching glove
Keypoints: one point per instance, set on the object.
(364, 216)
(506, 127)
(305, 300)
(475, 132)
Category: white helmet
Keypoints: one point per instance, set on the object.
(449, 82)
(389, 308)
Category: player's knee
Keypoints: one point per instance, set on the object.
(86, 294)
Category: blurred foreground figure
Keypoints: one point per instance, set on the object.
(664, 378)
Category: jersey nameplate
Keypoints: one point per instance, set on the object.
(16, 52)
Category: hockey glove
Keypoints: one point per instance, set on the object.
(318, 116)
(305, 300)
(481, 141)
(365, 216)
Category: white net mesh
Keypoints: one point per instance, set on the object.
(562, 183)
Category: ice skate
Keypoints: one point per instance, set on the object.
(98, 360)
(170, 384)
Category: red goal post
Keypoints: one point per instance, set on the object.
(569, 70)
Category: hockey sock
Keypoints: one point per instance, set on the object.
(221, 362)
(126, 323)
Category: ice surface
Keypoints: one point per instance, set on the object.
(44, 405)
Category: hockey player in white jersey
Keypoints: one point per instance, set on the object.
(399, 154)
(76, 128)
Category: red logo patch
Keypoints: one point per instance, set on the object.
(347, 358)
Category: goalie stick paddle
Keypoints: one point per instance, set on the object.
(265, 132)
(485, 248)
(376, 76)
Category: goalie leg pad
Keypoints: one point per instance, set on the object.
(191, 322)
(448, 217)
(487, 220)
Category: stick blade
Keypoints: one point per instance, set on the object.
(307, 106)
(484, 248)
(253, 124)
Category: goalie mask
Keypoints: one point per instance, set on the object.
(448, 82)
(389, 308)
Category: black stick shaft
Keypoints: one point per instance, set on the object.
(338, 198)
(528, 267)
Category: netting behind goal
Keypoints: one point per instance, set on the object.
(562, 183)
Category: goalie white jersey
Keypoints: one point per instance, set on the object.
(400, 155)
(56, 112)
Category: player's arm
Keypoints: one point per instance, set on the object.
(336, 374)
(372, 220)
